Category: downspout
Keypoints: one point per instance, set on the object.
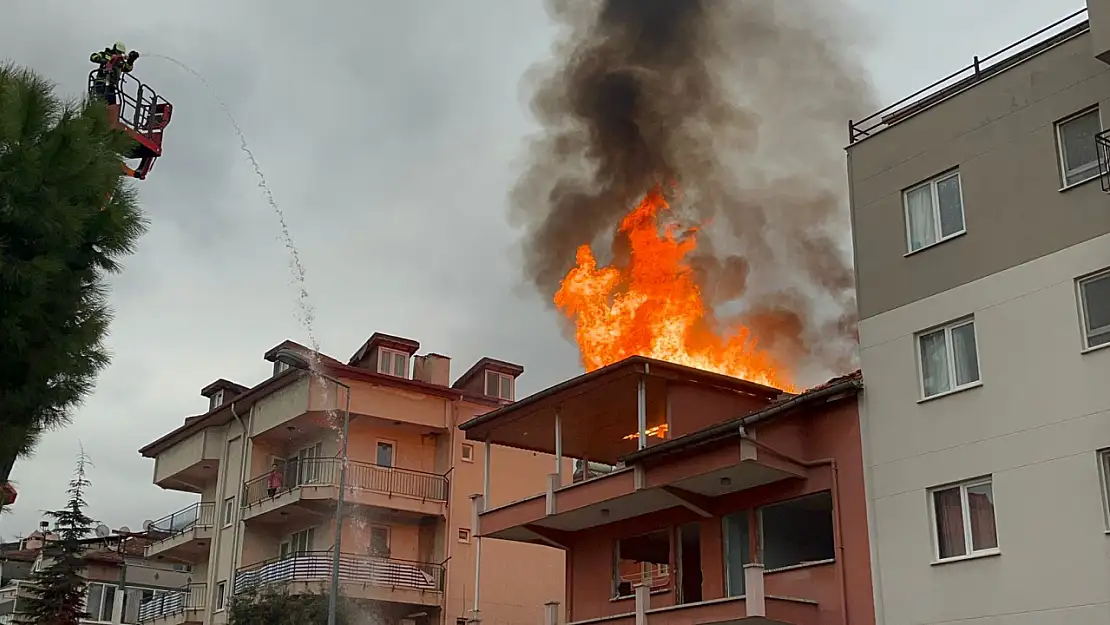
(236, 553)
(838, 535)
(217, 509)
(451, 408)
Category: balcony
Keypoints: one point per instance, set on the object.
(178, 607)
(360, 577)
(185, 535)
(306, 490)
(190, 464)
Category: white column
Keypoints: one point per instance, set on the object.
(643, 602)
(558, 446)
(551, 613)
(754, 595)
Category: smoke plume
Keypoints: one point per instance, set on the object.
(743, 103)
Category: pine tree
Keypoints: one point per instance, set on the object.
(58, 597)
(67, 217)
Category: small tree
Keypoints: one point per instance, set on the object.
(273, 605)
(59, 587)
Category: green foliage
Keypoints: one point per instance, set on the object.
(273, 605)
(59, 595)
(67, 218)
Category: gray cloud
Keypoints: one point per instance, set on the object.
(391, 133)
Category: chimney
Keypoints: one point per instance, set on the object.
(437, 369)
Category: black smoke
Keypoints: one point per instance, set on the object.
(744, 104)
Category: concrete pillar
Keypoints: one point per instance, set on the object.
(552, 486)
(641, 413)
(643, 602)
(558, 447)
(754, 595)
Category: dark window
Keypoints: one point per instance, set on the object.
(798, 531)
(642, 559)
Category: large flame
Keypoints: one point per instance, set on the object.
(653, 307)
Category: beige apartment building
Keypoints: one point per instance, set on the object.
(982, 249)
(265, 461)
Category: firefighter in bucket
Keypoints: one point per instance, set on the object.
(113, 63)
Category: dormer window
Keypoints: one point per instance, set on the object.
(393, 362)
(280, 367)
(499, 385)
(216, 400)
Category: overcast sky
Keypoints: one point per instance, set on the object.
(390, 133)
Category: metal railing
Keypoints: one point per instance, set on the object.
(360, 476)
(191, 597)
(979, 70)
(1102, 145)
(198, 515)
(141, 110)
(316, 566)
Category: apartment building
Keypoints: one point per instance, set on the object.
(693, 498)
(266, 463)
(120, 579)
(982, 249)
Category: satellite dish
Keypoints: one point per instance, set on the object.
(147, 525)
(125, 530)
(102, 531)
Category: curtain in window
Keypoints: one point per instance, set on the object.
(967, 360)
(950, 523)
(919, 211)
(984, 534)
(934, 363)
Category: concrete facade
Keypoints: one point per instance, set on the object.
(266, 464)
(1005, 431)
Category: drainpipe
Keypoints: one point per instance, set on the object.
(218, 532)
(838, 536)
(236, 553)
(451, 414)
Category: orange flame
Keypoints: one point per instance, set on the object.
(653, 307)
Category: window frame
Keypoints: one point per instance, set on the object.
(965, 513)
(1060, 164)
(1102, 274)
(103, 591)
(392, 453)
(280, 367)
(308, 538)
(229, 511)
(464, 535)
(947, 328)
(1103, 458)
(388, 541)
(501, 379)
(932, 183)
(221, 596)
(393, 354)
(467, 454)
(216, 400)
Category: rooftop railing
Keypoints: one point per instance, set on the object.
(360, 476)
(316, 566)
(979, 70)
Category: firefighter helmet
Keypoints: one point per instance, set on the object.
(119, 47)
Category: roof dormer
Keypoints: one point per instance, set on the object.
(492, 378)
(221, 391)
(386, 354)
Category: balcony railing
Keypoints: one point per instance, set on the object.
(315, 566)
(192, 597)
(198, 515)
(360, 476)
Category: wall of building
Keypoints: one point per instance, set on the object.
(1002, 137)
(1034, 425)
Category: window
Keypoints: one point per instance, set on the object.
(934, 211)
(379, 541)
(1075, 139)
(1104, 478)
(642, 559)
(949, 358)
(460, 621)
(499, 385)
(305, 467)
(464, 536)
(216, 400)
(467, 452)
(229, 511)
(99, 601)
(393, 362)
(221, 591)
(280, 367)
(798, 531)
(385, 454)
(301, 542)
(1094, 306)
(738, 550)
(963, 520)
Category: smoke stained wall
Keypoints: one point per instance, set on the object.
(744, 104)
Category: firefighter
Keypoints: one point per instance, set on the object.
(113, 62)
